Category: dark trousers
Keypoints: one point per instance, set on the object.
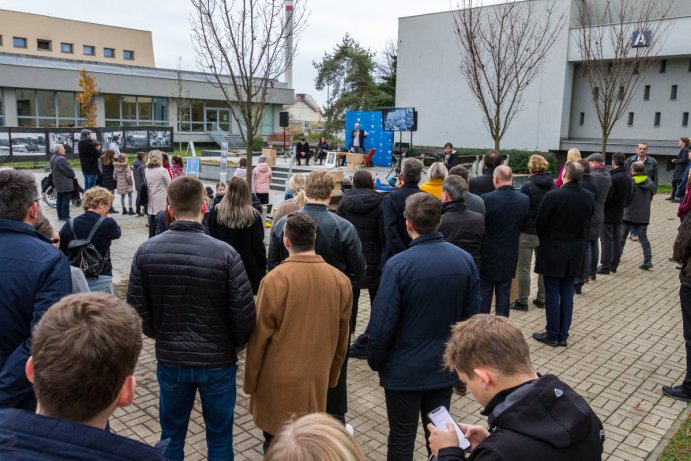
(642, 233)
(63, 205)
(152, 225)
(675, 186)
(263, 198)
(685, 298)
(303, 155)
(612, 245)
(558, 306)
(89, 180)
(353, 317)
(268, 438)
(592, 253)
(337, 397)
(404, 410)
(138, 202)
(502, 293)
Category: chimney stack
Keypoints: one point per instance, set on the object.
(289, 44)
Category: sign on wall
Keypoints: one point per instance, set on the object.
(641, 38)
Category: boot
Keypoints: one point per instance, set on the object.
(131, 213)
(113, 211)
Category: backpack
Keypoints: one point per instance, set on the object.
(83, 254)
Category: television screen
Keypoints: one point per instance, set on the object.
(399, 119)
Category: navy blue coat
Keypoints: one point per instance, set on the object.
(506, 210)
(423, 292)
(33, 277)
(25, 436)
(396, 237)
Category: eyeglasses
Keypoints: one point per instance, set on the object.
(54, 241)
(40, 197)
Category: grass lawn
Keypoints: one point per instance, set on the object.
(679, 448)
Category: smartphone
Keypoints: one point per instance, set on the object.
(439, 417)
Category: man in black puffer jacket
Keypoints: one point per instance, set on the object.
(195, 300)
(88, 158)
(617, 198)
(530, 416)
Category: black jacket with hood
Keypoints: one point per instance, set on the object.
(535, 188)
(637, 211)
(363, 208)
(540, 420)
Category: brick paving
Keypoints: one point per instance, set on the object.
(626, 342)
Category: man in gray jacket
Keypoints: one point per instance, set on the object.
(637, 212)
(63, 181)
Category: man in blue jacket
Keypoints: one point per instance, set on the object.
(82, 365)
(423, 292)
(33, 276)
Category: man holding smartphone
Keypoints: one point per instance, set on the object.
(529, 416)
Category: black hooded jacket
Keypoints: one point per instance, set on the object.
(540, 420)
(535, 188)
(363, 208)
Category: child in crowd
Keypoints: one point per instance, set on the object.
(107, 175)
(124, 179)
(241, 170)
(165, 162)
(220, 192)
(177, 169)
(261, 180)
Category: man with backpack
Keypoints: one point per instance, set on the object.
(86, 239)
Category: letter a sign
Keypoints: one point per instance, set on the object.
(641, 39)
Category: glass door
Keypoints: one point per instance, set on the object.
(220, 116)
(211, 118)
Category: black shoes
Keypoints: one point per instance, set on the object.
(540, 304)
(131, 213)
(519, 306)
(578, 288)
(676, 392)
(602, 270)
(113, 211)
(544, 339)
(646, 266)
(357, 351)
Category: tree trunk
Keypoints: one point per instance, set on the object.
(603, 147)
(248, 156)
(497, 142)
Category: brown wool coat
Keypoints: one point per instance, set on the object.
(297, 348)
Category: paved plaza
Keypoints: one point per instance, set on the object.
(626, 342)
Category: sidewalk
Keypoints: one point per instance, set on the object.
(626, 342)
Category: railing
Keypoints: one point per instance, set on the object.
(219, 135)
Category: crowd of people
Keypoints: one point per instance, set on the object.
(433, 256)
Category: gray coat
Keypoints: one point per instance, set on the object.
(638, 209)
(63, 174)
(139, 168)
(602, 179)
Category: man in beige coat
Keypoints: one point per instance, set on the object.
(301, 338)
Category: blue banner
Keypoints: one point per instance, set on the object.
(371, 122)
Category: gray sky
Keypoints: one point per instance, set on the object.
(370, 22)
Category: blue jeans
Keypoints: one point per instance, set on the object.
(558, 306)
(681, 190)
(63, 205)
(178, 387)
(502, 293)
(641, 230)
(89, 180)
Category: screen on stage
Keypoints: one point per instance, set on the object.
(399, 119)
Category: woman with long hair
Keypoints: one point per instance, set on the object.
(571, 156)
(296, 184)
(237, 223)
(157, 180)
(108, 171)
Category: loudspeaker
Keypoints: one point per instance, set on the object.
(283, 117)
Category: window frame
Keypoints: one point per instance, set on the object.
(70, 45)
(93, 50)
(657, 122)
(125, 54)
(107, 50)
(40, 41)
(14, 42)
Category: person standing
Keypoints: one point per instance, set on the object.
(139, 172)
(682, 255)
(195, 301)
(261, 180)
(303, 294)
(34, 276)
(88, 158)
(357, 139)
(506, 209)
(649, 163)
(539, 183)
(177, 169)
(637, 212)
(302, 151)
(562, 224)
(108, 181)
(237, 223)
(450, 157)
(157, 180)
(474, 202)
(459, 225)
(618, 197)
(424, 291)
(339, 244)
(603, 181)
(435, 179)
(63, 181)
(680, 164)
(115, 145)
(484, 183)
(396, 237)
(124, 178)
(362, 207)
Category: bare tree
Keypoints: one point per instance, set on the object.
(503, 50)
(619, 42)
(245, 46)
(182, 100)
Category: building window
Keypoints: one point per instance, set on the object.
(685, 119)
(19, 42)
(2, 113)
(108, 52)
(646, 93)
(128, 55)
(663, 66)
(45, 45)
(67, 48)
(689, 62)
(630, 121)
(658, 117)
(1, 45)
(673, 95)
(581, 118)
(135, 110)
(38, 108)
(89, 50)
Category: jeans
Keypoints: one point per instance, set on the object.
(122, 201)
(685, 298)
(89, 181)
(138, 203)
(681, 190)
(612, 245)
(353, 315)
(559, 306)
(642, 232)
(404, 410)
(590, 265)
(527, 244)
(675, 187)
(502, 292)
(178, 388)
(63, 205)
(102, 283)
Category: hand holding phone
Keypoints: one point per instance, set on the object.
(440, 417)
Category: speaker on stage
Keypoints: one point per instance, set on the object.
(283, 117)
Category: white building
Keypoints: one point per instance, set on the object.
(304, 113)
(559, 111)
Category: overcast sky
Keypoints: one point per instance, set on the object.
(369, 22)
